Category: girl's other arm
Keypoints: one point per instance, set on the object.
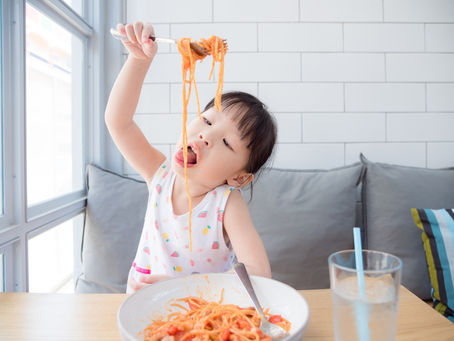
(246, 242)
(124, 97)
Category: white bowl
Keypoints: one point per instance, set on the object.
(153, 301)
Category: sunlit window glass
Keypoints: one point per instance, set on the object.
(51, 258)
(76, 5)
(54, 59)
(2, 194)
(2, 273)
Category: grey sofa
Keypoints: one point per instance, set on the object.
(302, 216)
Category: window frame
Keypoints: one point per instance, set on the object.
(19, 222)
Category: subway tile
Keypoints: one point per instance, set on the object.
(262, 67)
(300, 37)
(384, 37)
(440, 37)
(255, 10)
(309, 156)
(160, 128)
(440, 97)
(406, 154)
(343, 67)
(341, 10)
(288, 128)
(416, 67)
(419, 10)
(206, 92)
(240, 37)
(300, 97)
(166, 67)
(154, 98)
(384, 97)
(175, 11)
(420, 127)
(343, 127)
(440, 155)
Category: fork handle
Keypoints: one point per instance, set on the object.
(118, 35)
(241, 271)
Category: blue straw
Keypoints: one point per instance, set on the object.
(362, 324)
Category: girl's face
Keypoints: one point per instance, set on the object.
(217, 154)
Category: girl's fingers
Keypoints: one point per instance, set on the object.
(147, 32)
(130, 33)
(138, 27)
(121, 28)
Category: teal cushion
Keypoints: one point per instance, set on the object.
(438, 239)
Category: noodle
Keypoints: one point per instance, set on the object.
(214, 47)
(211, 321)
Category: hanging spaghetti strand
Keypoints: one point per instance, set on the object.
(216, 48)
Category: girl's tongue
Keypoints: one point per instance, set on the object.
(192, 157)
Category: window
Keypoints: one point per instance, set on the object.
(2, 194)
(54, 62)
(76, 5)
(55, 249)
(49, 92)
(2, 275)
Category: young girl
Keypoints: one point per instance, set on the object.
(225, 150)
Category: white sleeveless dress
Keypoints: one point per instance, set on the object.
(164, 243)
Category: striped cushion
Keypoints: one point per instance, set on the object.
(438, 239)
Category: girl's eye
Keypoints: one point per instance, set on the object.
(206, 121)
(226, 143)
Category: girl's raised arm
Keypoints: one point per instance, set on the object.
(123, 99)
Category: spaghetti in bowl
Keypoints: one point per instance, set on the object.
(156, 302)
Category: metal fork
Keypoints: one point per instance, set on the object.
(267, 327)
(200, 50)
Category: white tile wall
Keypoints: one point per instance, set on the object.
(384, 37)
(255, 10)
(440, 155)
(340, 76)
(300, 97)
(421, 67)
(440, 37)
(289, 128)
(381, 97)
(343, 67)
(300, 37)
(420, 127)
(407, 154)
(343, 127)
(440, 97)
(419, 10)
(341, 10)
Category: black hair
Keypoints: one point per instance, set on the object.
(255, 123)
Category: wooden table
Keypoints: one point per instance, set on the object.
(61, 317)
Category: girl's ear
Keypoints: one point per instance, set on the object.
(241, 180)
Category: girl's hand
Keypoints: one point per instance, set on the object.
(145, 280)
(139, 44)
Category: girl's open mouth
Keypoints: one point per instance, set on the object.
(192, 156)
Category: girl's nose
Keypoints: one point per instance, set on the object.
(204, 140)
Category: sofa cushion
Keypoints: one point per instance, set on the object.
(438, 239)
(303, 216)
(390, 192)
(113, 222)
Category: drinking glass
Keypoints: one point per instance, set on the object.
(369, 314)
